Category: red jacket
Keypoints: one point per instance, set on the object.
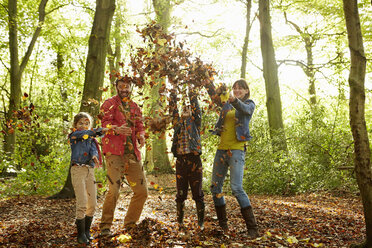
(112, 143)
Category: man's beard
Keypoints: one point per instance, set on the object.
(124, 95)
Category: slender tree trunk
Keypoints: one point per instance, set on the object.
(308, 69)
(310, 72)
(15, 78)
(114, 56)
(94, 72)
(16, 71)
(248, 5)
(96, 59)
(270, 73)
(362, 153)
(63, 89)
(158, 159)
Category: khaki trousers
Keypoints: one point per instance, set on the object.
(84, 185)
(118, 167)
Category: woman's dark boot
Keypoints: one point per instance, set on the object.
(250, 222)
(88, 223)
(81, 238)
(221, 215)
(180, 212)
(200, 208)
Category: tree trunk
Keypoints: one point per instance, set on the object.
(94, 71)
(362, 153)
(115, 56)
(96, 59)
(67, 191)
(158, 158)
(63, 89)
(246, 39)
(163, 10)
(270, 73)
(308, 69)
(16, 71)
(310, 72)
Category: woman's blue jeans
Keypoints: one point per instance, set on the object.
(235, 159)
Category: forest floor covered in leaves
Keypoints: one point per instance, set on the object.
(310, 220)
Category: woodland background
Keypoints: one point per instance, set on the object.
(51, 68)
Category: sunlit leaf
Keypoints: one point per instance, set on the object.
(161, 42)
(124, 238)
(292, 239)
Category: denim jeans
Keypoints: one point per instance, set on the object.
(235, 159)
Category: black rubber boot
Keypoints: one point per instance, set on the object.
(180, 212)
(81, 238)
(221, 215)
(250, 222)
(88, 223)
(200, 208)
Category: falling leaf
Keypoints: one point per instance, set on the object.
(219, 195)
(86, 136)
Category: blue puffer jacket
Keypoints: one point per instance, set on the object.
(243, 114)
(193, 125)
(84, 146)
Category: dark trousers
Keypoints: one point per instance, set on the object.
(189, 171)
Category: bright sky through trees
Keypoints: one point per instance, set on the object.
(225, 22)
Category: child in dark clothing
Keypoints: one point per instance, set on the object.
(186, 147)
(85, 155)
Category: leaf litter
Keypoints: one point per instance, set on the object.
(309, 220)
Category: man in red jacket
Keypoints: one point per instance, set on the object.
(121, 149)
